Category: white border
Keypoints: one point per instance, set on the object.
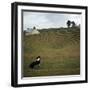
(53, 78)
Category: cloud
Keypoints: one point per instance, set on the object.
(48, 20)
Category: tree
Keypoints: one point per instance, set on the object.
(34, 27)
(68, 23)
(73, 24)
(24, 32)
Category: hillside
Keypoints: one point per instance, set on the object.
(58, 48)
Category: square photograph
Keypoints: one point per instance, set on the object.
(50, 43)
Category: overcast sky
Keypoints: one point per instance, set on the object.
(48, 20)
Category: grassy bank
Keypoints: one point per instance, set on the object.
(59, 50)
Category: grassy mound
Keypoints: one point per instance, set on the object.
(59, 50)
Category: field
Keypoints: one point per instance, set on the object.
(59, 50)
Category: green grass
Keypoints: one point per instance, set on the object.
(59, 50)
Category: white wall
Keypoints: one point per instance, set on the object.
(5, 46)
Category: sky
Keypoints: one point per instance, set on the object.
(48, 20)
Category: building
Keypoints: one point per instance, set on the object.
(32, 31)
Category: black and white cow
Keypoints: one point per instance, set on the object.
(35, 63)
